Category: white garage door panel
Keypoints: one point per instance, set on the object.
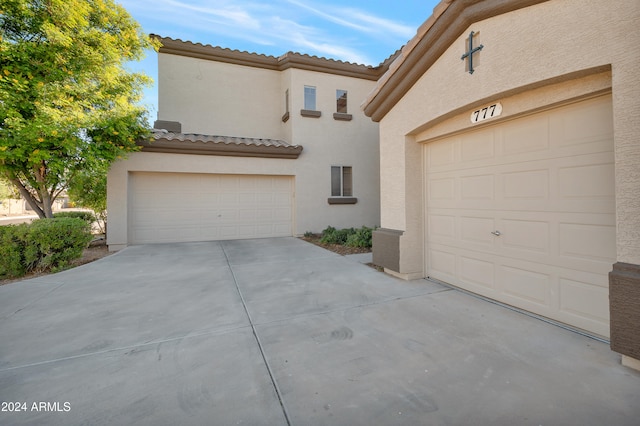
(171, 207)
(546, 183)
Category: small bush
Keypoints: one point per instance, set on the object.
(52, 244)
(361, 237)
(348, 236)
(87, 216)
(12, 246)
(45, 244)
(332, 235)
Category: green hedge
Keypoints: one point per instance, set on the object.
(12, 247)
(84, 215)
(352, 237)
(44, 244)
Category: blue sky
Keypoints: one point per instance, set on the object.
(359, 31)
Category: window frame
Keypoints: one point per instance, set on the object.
(307, 100)
(343, 185)
(340, 93)
(341, 110)
(285, 116)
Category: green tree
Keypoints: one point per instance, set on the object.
(67, 101)
(5, 190)
(89, 189)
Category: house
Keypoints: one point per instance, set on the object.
(248, 146)
(510, 159)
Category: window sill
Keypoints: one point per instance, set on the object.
(285, 117)
(310, 113)
(342, 117)
(342, 200)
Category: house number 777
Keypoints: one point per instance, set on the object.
(486, 113)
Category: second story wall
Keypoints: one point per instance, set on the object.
(217, 98)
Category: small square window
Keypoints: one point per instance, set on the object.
(341, 181)
(341, 101)
(310, 98)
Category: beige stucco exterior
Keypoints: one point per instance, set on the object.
(533, 58)
(214, 91)
(538, 56)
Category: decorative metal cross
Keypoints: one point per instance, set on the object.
(470, 52)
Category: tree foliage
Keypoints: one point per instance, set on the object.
(67, 101)
(89, 189)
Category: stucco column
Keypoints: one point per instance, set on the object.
(624, 280)
(398, 246)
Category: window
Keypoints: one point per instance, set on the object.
(285, 117)
(286, 100)
(309, 109)
(310, 98)
(341, 101)
(341, 181)
(341, 106)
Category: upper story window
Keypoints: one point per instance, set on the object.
(285, 117)
(286, 100)
(341, 106)
(341, 101)
(309, 109)
(310, 98)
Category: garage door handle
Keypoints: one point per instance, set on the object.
(496, 233)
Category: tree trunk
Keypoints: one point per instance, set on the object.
(47, 203)
(43, 191)
(28, 197)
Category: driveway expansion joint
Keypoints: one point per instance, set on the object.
(260, 347)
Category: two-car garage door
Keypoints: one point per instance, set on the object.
(171, 207)
(524, 212)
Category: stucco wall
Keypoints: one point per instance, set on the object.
(328, 142)
(216, 98)
(553, 42)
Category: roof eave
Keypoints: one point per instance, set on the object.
(175, 146)
(449, 21)
(286, 61)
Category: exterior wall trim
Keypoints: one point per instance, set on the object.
(310, 113)
(342, 200)
(342, 116)
(284, 62)
(432, 40)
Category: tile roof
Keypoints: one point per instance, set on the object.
(190, 143)
(281, 63)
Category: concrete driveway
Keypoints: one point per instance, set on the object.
(279, 331)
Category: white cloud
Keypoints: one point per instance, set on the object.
(359, 20)
(322, 30)
(222, 14)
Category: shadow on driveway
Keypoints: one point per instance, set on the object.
(279, 331)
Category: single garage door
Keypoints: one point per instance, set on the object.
(177, 207)
(523, 212)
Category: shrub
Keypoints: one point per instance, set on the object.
(52, 244)
(361, 237)
(12, 246)
(42, 245)
(351, 237)
(87, 216)
(332, 235)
